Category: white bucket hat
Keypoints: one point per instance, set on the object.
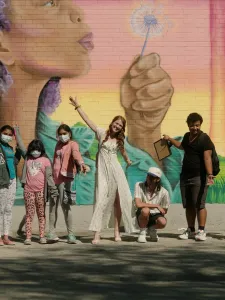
(156, 172)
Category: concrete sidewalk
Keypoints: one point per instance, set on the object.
(175, 217)
(167, 270)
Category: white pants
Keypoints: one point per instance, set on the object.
(7, 199)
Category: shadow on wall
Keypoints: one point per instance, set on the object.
(114, 273)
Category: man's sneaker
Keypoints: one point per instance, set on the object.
(71, 239)
(142, 236)
(187, 234)
(153, 234)
(200, 235)
(43, 241)
(27, 242)
(52, 237)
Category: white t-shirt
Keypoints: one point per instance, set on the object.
(160, 197)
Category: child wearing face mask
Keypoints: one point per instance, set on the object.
(8, 163)
(38, 183)
(67, 158)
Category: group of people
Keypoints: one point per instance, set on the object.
(53, 182)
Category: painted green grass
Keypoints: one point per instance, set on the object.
(216, 193)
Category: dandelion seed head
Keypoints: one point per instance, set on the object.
(149, 19)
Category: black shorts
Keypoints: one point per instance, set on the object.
(152, 217)
(193, 192)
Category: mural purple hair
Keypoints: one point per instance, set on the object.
(5, 78)
(4, 22)
(50, 95)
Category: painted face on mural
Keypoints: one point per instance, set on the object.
(195, 127)
(49, 37)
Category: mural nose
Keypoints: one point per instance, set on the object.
(76, 18)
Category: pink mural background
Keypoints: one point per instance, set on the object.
(185, 54)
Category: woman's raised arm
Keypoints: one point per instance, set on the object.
(74, 102)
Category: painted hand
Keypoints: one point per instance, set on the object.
(146, 93)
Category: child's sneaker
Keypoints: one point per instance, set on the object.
(27, 242)
(52, 237)
(187, 234)
(142, 236)
(153, 234)
(71, 239)
(200, 235)
(43, 241)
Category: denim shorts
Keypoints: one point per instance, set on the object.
(193, 192)
(152, 217)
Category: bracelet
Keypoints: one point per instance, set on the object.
(76, 107)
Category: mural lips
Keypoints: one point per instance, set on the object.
(87, 42)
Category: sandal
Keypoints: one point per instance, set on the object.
(118, 239)
(8, 242)
(95, 241)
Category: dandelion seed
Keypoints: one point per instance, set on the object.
(148, 21)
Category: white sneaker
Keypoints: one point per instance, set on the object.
(200, 235)
(142, 236)
(153, 234)
(187, 234)
(27, 242)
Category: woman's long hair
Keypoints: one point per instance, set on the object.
(120, 136)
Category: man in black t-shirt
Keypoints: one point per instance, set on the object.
(196, 175)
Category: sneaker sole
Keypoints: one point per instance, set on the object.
(53, 240)
(154, 240)
(142, 242)
(201, 240)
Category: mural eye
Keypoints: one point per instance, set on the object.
(50, 3)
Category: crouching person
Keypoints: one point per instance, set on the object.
(152, 203)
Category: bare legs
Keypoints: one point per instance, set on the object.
(191, 213)
(117, 220)
(144, 217)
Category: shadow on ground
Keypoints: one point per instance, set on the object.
(114, 272)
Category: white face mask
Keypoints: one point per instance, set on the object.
(64, 138)
(35, 153)
(6, 138)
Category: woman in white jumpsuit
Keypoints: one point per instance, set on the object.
(112, 188)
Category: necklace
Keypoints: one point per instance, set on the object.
(191, 140)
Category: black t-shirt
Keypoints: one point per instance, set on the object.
(193, 162)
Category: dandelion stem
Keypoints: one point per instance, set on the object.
(146, 40)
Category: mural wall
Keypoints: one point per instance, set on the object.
(153, 62)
